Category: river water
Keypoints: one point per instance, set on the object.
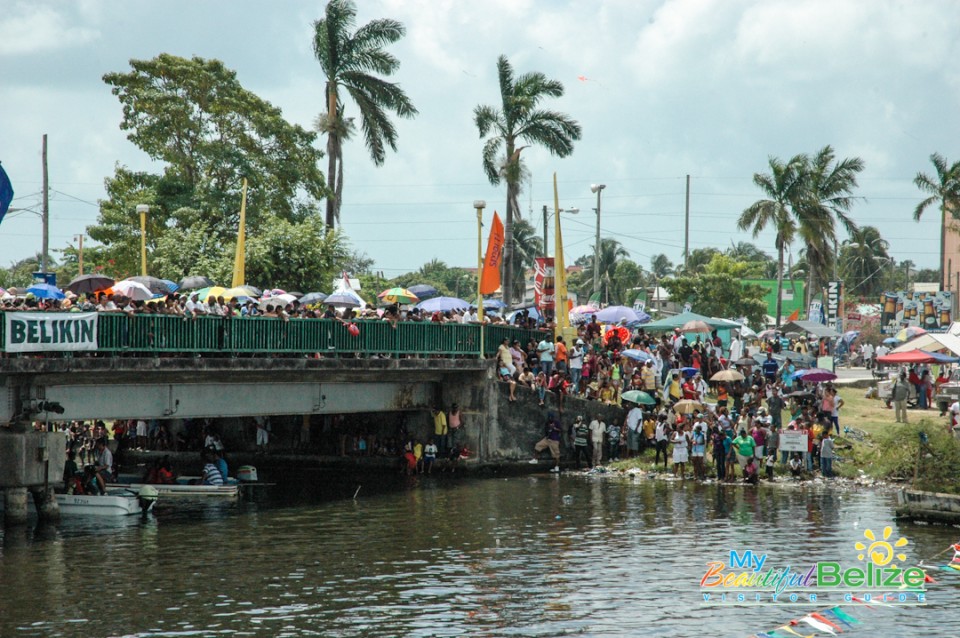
(440, 556)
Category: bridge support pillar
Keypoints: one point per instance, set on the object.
(48, 511)
(14, 506)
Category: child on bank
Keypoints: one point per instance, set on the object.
(429, 456)
(770, 463)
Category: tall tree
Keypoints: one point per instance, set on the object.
(717, 290)
(354, 60)
(527, 246)
(943, 188)
(661, 266)
(783, 186)
(611, 253)
(211, 132)
(520, 120)
(825, 199)
(863, 261)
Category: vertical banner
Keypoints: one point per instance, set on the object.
(562, 310)
(543, 293)
(490, 278)
(834, 289)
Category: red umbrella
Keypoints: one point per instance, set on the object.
(915, 356)
(620, 332)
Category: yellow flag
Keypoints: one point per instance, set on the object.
(560, 270)
(239, 262)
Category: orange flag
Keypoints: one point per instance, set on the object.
(490, 277)
(794, 315)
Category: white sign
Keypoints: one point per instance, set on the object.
(833, 304)
(50, 332)
(793, 441)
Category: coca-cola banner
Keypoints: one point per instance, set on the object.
(543, 283)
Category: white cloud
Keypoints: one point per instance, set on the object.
(30, 29)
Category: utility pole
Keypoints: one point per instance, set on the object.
(80, 254)
(686, 229)
(546, 251)
(46, 209)
(597, 188)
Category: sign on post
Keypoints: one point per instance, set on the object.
(53, 332)
(834, 290)
(793, 441)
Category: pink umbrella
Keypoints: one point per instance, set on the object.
(584, 310)
(816, 375)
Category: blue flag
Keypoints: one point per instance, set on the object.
(6, 193)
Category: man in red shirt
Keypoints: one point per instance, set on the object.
(560, 358)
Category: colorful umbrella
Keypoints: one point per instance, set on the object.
(584, 310)
(237, 292)
(398, 295)
(156, 286)
(638, 396)
(620, 332)
(424, 291)
(637, 355)
(687, 406)
(816, 375)
(727, 375)
(613, 314)
(45, 291)
(695, 326)
(194, 282)
(89, 283)
(213, 291)
(131, 290)
(443, 304)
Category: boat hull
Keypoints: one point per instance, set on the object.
(97, 505)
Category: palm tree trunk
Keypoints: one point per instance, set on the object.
(779, 279)
(506, 285)
(943, 245)
(332, 144)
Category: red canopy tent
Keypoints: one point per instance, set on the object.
(915, 356)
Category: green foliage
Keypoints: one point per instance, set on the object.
(450, 282)
(895, 456)
(300, 256)
(212, 133)
(354, 60)
(863, 261)
(717, 291)
(519, 119)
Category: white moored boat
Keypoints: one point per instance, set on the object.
(122, 502)
(182, 490)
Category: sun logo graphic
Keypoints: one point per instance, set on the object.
(881, 551)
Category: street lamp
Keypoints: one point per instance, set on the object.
(597, 188)
(546, 215)
(143, 209)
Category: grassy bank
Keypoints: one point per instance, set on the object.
(880, 448)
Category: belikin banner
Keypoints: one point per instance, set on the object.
(55, 332)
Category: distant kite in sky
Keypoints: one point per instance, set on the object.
(584, 78)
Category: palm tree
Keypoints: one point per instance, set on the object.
(863, 259)
(661, 266)
(354, 60)
(611, 252)
(782, 186)
(527, 246)
(945, 189)
(519, 119)
(825, 199)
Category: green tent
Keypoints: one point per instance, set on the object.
(677, 321)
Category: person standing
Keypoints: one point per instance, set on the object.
(581, 442)
(597, 430)
(634, 423)
(745, 445)
(576, 356)
(736, 347)
(560, 356)
(900, 392)
(441, 430)
(661, 438)
(681, 449)
(826, 455)
(613, 441)
(545, 351)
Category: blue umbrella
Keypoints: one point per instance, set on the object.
(637, 355)
(443, 304)
(45, 291)
(493, 304)
(172, 286)
(850, 335)
(312, 298)
(423, 291)
(891, 341)
(613, 314)
(689, 372)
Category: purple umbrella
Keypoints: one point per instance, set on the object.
(443, 304)
(815, 375)
(613, 314)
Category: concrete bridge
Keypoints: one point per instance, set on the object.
(309, 372)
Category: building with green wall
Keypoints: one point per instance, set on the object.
(792, 295)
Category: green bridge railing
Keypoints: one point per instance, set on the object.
(120, 333)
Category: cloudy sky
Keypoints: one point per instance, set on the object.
(709, 88)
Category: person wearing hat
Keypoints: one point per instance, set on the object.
(648, 378)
